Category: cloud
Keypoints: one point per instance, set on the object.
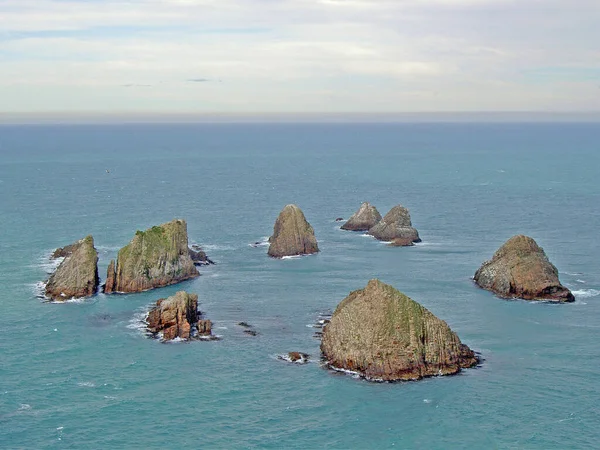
(364, 55)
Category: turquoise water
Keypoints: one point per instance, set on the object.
(83, 374)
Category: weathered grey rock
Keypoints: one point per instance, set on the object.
(199, 256)
(521, 269)
(364, 219)
(174, 316)
(395, 225)
(77, 274)
(292, 234)
(154, 258)
(383, 335)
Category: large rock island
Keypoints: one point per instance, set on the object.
(292, 234)
(364, 219)
(178, 317)
(154, 258)
(396, 227)
(521, 269)
(383, 335)
(77, 274)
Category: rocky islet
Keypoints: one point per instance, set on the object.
(521, 269)
(292, 234)
(154, 258)
(383, 335)
(77, 274)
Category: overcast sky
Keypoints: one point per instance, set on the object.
(243, 56)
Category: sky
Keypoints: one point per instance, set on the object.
(298, 56)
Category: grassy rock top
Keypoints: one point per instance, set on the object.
(156, 257)
(384, 335)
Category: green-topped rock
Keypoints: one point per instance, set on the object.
(154, 258)
(383, 335)
(292, 234)
(77, 274)
(521, 269)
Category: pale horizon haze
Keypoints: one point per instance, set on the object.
(242, 57)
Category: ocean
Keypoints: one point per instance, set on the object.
(84, 375)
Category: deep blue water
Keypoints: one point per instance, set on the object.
(81, 375)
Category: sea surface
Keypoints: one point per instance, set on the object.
(84, 375)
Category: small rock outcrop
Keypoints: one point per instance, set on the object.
(395, 225)
(364, 219)
(77, 274)
(175, 316)
(154, 258)
(292, 234)
(383, 335)
(199, 256)
(521, 269)
(295, 357)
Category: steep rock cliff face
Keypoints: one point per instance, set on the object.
(292, 234)
(154, 258)
(364, 219)
(395, 225)
(175, 316)
(521, 269)
(77, 275)
(383, 335)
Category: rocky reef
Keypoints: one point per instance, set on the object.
(521, 269)
(154, 258)
(292, 234)
(199, 256)
(396, 227)
(364, 219)
(77, 274)
(383, 335)
(177, 317)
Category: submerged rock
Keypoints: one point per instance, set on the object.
(175, 316)
(383, 335)
(77, 274)
(521, 269)
(395, 225)
(292, 234)
(154, 258)
(295, 357)
(364, 219)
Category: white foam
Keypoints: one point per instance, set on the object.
(581, 281)
(86, 384)
(216, 247)
(573, 274)
(107, 248)
(426, 400)
(586, 293)
(264, 241)
(292, 257)
(138, 321)
(24, 407)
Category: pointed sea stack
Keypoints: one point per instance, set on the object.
(77, 275)
(292, 234)
(521, 269)
(364, 219)
(383, 335)
(175, 316)
(397, 227)
(154, 258)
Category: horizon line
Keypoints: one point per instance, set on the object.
(100, 117)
